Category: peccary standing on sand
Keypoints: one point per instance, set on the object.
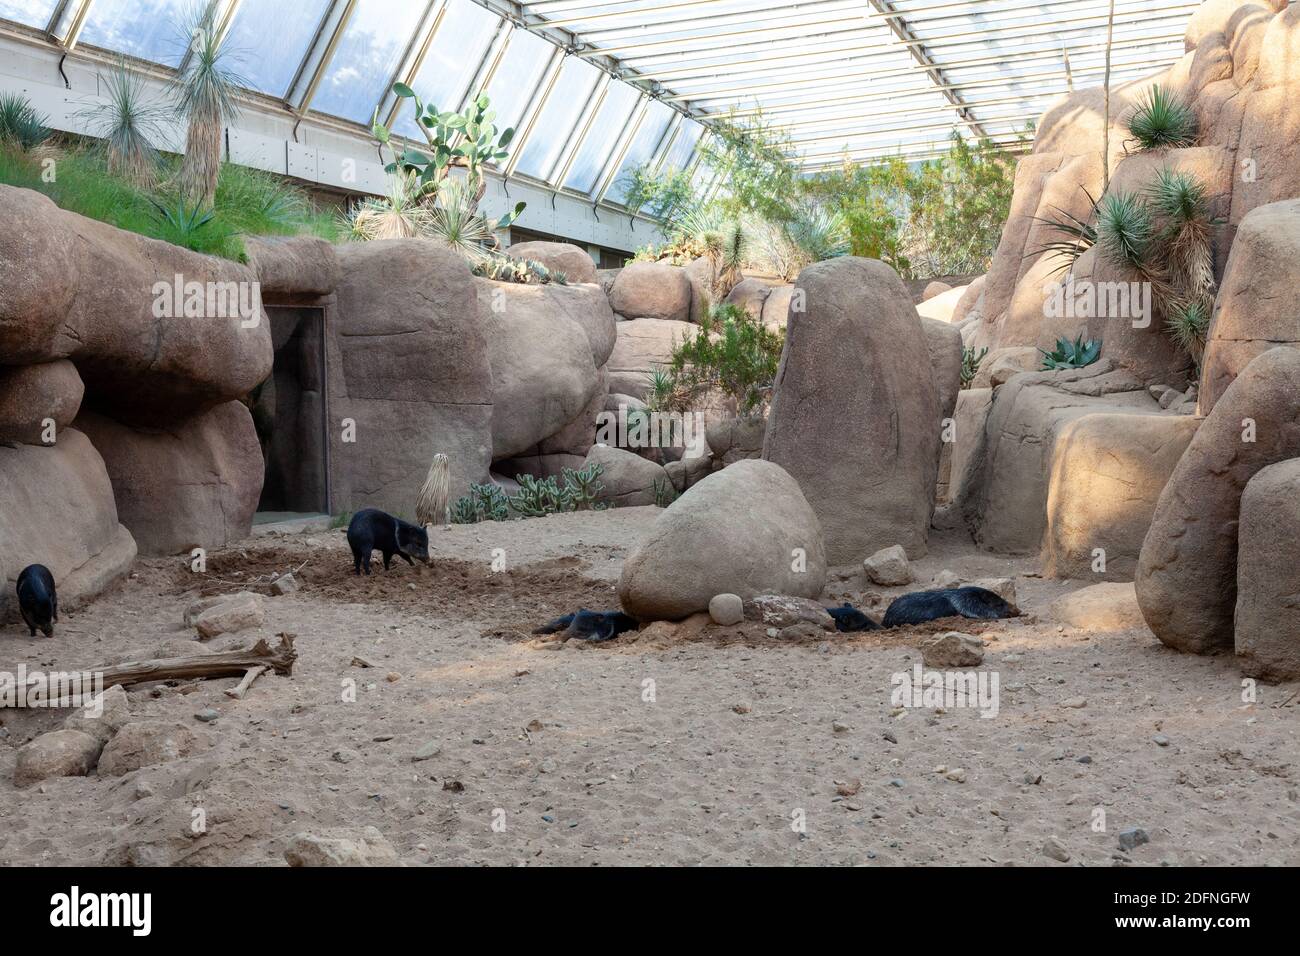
(849, 619)
(921, 606)
(590, 625)
(37, 599)
(374, 530)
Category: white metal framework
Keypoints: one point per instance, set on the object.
(598, 88)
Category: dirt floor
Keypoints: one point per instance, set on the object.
(709, 746)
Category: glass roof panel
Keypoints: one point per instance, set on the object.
(270, 38)
(643, 147)
(683, 148)
(452, 60)
(153, 30)
(366, 58)
(554, 126)
(516, 78)
(602, 137)
(32, 13)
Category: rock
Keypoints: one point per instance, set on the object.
(545, 346)
(952, 649)
(1160, 740)
(736, 439)
(945, 579)
(199, 605)
(409, 365)
(102, 716)
(574, 261)
(1054, 849)
(776, 308)
(60, 753)
(1000, 365)
(1101, 607)
(67, 520)
(745, 530)
(956, 775)
(284, 584)
(293, 265)
(1187, 573)
(364, 847)
(31, 395)
(969, 301)
(1004, 588)
(750, 295)
(702, 275)
(966, 436)
(1132, 838)
(180, 648)
(629, 479)
(868, 471)
(1076, 703)
(726, 609)
(641, 346)
(240, 612)
(888, 567)
(1252, 312)
(652, 290)
(207, 715)
(1267, 637)
(1107, 474)
(192, 484)
(944, 344)
(801, 630)
(143, 743)
(783, 611)
(933, 289)
(941, 307)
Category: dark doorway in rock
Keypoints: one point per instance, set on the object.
(289, 411)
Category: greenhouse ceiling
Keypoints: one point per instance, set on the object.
(597, 88)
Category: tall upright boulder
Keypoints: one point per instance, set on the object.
(1267, 619)
(1187, 571)
(851, 420)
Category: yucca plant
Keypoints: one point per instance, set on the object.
(454, 223)
(1183, 203)
(1125, 230)
(1077, 235)
(204, 90)
(1163, 120)
(1067, 354)
(1188, 322)
(20, 124)
(127, 126)
(819, 233)
(399, 214)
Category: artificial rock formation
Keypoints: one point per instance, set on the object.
(869, 469)
(652, 290)
(642, 346)
(565, 257)
(38, 400)
(1267, 618)
(745, 530)
(1187, 573)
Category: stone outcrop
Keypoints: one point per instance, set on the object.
(629, 479)
(745, 530)
(643, 345)
(869, 469)
(652, 290)
(577, 266)
(1187, 574)
(1267, 618)
(290, 267)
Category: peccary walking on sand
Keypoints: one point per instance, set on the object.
(374, 530)
(37, 599)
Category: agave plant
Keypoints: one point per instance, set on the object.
(20, 124)
(183, 219)
(127, 126)
(1163, 119)
(204, 90)
(1067, 354)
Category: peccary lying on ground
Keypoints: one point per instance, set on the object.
(374, 530)
(37, 599)
(922, 606)
(848, 619)
(590, 625)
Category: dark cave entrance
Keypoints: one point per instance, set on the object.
(289, 411)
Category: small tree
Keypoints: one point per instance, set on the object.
(205, 96)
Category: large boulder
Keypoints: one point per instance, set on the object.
(851, 420)
(293, 266)
(192, 484)
(1255, 310)
(642, 346)
(409, 368)
(1267, 617)
(1107, 473)
(652, 290)
(157, 332)
(745, 530)
(32, 394)
(58, 510)
(574, 261)
(735, 439)
(629, 480)
(544, 369)
(1187, 573)
(776, 307)
(959, 442)
(944, 344)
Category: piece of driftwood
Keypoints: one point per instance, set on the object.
(239, 690)
(204, 666)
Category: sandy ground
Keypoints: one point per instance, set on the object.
(701, 750)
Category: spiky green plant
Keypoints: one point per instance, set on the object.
(1076, 236)
(1182, 202)
(454, 223)
(127, 126)
(665, 493)
(970, 364)
(20, 124)
(819, 233)
(483, 503)
(1188, 323)
(1125, 230)
(584, 486)
(204, 91)
(1067, 354)
(183, 219)
(1163, 119)
(401, 213)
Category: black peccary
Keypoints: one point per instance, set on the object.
(374, 530)
(37, 599)
(921, 606)
(849, 619)
(590, 625)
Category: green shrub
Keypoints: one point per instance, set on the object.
(20, 124)
(970, 364)
(1162, 120)
(1067, 354)
(731, 351)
